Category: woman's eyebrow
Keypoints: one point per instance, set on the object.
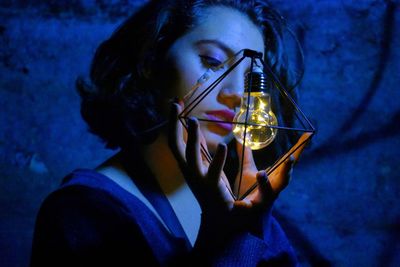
(218, 43)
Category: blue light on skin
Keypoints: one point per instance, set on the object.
(205, 46)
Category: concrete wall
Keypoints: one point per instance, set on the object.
(342, 206)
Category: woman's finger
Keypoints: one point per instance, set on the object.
(246, 177)
(280, 177)
(297, 149)
(300, 145)
(266, 193)
(246, 155)
(206, 157)
(193, 154)
(217, 164)
(263, 182)
(175, 138)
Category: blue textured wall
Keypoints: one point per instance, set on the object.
(342, 206)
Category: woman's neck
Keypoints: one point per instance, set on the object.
(157, 157)
(163, 165)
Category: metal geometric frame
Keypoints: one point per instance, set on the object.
(307, 127)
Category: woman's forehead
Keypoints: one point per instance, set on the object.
(229, 27)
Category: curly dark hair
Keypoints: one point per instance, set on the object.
(121, 101)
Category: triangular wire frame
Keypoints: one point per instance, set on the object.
(305, 125)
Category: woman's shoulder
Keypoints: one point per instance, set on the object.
(86, 189)
(87, 219)
(87, 192)
(91, 180)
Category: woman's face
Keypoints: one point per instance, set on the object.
(219, 34)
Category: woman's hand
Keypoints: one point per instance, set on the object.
(206, 180)
(265, 188)
(270, 186)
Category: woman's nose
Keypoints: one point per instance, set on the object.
(229, 97)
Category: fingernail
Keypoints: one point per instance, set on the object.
(191, 122)
(263, 176)
(175, 99)
(221, 146)
(174, 107)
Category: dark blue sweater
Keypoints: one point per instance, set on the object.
(91, 221)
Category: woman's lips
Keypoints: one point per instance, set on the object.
(221, 115)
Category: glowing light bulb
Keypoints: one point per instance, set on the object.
(260, 115)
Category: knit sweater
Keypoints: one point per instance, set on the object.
(92, 221)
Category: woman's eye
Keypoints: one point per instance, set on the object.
(210, 61)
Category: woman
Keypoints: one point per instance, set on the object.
(158, 201)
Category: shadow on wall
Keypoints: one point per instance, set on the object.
(342, 142)
(392, 128)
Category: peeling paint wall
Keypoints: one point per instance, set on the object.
(341, 208)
